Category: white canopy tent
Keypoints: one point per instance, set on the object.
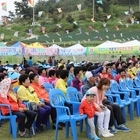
(108, 44)
(130, 43)
(56, 46)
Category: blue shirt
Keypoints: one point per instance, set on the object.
(30, 62)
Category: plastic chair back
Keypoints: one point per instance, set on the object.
(15, 89)
(137, 81)
(114, 86)
(48, 86)
(57, 99)
(73, 97)
(69, 82)
(123, 85)
(129, 82)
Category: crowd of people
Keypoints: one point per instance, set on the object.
(90, 79)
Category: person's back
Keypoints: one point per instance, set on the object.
(30, 61)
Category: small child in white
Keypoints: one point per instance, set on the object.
(87, 107)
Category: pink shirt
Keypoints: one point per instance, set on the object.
(43, 80)
(99, 96)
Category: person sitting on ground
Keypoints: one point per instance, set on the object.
(25, 117)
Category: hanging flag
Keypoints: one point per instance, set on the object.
(104, 24)
(120, 22)
(107, 36)
(91, 28)
(100, 38)
(99, 1)
(92, 20)
(132, 20)
(53, 40)
(121, 34)
(80, 31)
(88, 40)
(131, 10)
(59, 10)
(43, 30)
(85, 41)
(128, 39)
(70, 36)
(60, 39)
(67, 31)
(114, 35)
(36, 37)
(31, 2)
(30, 31)
(127, 25)
(4, 6)
(138, 37)
(21, 16)
(2, 36)
(58, 34)
(123, 39)
(108, 16)
(58, 25)
(126, 12)
(79, 7)
(106, 29)
(16, 34)
(40, 13)
(46, 35)
(133, 38)
(117, 28)
(87, 33)
(75, 22)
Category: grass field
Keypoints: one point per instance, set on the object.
(49, 134)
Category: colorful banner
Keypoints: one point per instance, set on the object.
(113, 50)
(41, 51)
(11, 51)
(4, 6)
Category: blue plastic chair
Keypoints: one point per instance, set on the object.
(48, 87)
(13, 75)
(12, 119)
(69, 82)
(132, 95)
(137, 81)
(131, 86)
(15, 89)
(117, 101)
(74, 99)
(114, 86)
(57, 100)
(82, 90)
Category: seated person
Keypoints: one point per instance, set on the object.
(77, 81)
(42, 76)
(27, 93)
(52, 76)
(25, 117)
(43, 94)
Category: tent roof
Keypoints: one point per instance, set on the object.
(56, 46)
(18, 44)
(35, 45)
(109, 44)
(130, 43)
(76, 46)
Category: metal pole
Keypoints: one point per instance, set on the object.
(93, 8)
(139, 5)
(33, 13)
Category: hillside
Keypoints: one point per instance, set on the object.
(68, 28)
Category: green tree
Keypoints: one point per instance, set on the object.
(22, 8)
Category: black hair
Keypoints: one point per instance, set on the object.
(69, 67)
(32, 76)
(15, 66)
(30, 57)
(61, 67)
(52, 73)
(84, 69)
(26, 66)
(2, 70)
(64, 74)
(77, 70)
(40, 70)
(22, 78)
(27, 71)
(121, 70)
(58, 73)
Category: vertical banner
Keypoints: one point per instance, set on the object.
(79, 7)
(4, 6)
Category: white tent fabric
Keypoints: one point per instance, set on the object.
(130, 43)
(76, 49)
(56, 46)
(109, 44)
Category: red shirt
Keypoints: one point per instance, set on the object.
(87, 108)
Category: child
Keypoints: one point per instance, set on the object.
(87, 107)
